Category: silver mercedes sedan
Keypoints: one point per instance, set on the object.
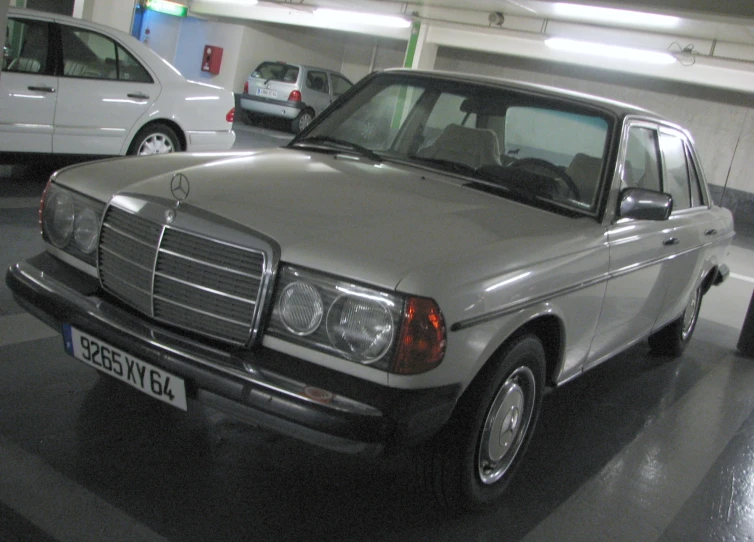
(415, 286)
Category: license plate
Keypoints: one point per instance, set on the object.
(115, 362)
(267, 92)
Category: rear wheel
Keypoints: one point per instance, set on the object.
(673, 338)
(471, 461)
(155, 139)
(302, 121)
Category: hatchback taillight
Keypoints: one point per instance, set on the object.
(246, 87)
(294, 96)
(231, 116)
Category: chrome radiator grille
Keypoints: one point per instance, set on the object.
(179, 278)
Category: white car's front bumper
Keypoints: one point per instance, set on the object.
(207, 140)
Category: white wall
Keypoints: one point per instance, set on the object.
(163, 33)
(113, 13)
(181, 41)
(194, 35)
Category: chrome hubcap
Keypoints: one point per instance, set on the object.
(689, 315)
(156, 144)
(304, 121)
(506, 425)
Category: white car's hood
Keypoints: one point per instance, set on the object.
(378, 222)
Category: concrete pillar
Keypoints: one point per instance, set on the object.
(420, 54)
(114, 13)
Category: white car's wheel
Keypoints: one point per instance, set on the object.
(155, 139)
(471, 461)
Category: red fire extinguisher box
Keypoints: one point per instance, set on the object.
(211, 59)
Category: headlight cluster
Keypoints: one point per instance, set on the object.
(70, 222)
(388, 331)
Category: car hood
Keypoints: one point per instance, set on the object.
(376, 221)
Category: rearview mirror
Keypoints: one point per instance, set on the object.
(641, 204)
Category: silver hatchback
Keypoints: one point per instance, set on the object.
(293, 92)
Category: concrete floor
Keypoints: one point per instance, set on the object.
(639, 449)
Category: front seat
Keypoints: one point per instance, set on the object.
(585, 171)
(473, 147)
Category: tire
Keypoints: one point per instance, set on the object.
(155, 139)
(468, 465)
(302, 121)
(673, 338)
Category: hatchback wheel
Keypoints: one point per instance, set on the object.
(302, 121)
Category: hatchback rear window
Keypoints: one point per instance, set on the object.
(276, 71)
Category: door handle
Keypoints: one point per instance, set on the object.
(138, 95)
(711, 231)
(671, 241)
(41, 88)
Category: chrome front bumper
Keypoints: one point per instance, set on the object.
(303, 401)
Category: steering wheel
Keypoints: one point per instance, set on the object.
(537, 165)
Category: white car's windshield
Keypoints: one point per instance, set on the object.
(534, 147)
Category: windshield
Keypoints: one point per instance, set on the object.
(530, 146)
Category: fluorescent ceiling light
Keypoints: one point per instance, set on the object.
(610, 51)
(237, 2)
(610, 15)
(361, 18)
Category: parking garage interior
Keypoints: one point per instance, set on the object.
(640, 448)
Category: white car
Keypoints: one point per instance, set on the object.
(418, 290)
(74, 87)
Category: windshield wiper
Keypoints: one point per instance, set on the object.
(447, 165)
(322, 139)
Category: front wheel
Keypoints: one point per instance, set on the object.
(471, 461)
(154, 139)
(673, 338)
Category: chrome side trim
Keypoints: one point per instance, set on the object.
(530, 301)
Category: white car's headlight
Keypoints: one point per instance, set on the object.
(70, 221)
(388, 331)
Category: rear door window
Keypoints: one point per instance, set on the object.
(317, 80)
(25, 49)
(94, 56)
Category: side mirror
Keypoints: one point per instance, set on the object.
(641, 204)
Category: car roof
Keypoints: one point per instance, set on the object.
(618, 108)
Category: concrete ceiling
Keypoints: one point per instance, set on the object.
(716, 37)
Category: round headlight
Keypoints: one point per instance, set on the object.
(59, 218)
(360, 327)
(85, 231)
(300, 308)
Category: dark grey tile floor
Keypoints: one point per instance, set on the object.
(639, 449)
